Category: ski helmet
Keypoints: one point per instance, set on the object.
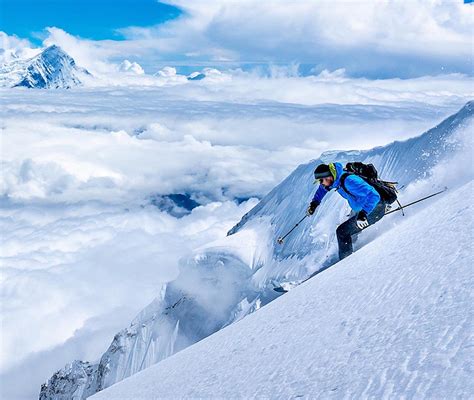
(322, 171)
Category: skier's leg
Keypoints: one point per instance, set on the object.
(377, 213)
(349, 228)
(344, 233)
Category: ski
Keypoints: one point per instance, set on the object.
(287, 286)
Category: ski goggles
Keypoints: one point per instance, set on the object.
(320, 180)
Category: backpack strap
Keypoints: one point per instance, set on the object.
(342, 181)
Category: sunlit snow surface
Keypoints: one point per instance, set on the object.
(84, 248)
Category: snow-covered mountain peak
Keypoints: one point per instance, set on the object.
(209, 74)
(52, 68)
(52, 52)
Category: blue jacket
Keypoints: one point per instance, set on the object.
(362, 195)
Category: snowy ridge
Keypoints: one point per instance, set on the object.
(76, 380)
(393, 320)
(398, 161)
(11, 73)
(229, 279)
(52, 68)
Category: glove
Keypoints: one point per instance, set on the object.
(362, 220)
(312, 207)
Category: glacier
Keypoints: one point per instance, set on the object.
(226, 280)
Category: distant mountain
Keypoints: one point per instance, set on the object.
(53, 68)
(196, 76)
(205, 73)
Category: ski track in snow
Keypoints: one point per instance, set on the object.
(394, 320)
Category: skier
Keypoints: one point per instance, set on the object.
(362, 197)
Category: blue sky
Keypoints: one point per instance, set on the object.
(92, 19)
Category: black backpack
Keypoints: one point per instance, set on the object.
(386, 190)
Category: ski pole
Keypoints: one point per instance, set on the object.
(281, 238)
(416, 201)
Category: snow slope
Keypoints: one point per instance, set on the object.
(226, 280)
(392, 320)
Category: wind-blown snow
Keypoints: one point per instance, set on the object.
(392, 320)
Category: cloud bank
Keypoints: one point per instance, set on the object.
(372, 39)
(382, 39)
(214, 139)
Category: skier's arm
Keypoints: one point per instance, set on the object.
(366, 195)
(320, 193)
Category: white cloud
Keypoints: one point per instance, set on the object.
(363, 37)
(209, 137)
(167, 72)
(132, 67)
(383, 39)
(13, 48)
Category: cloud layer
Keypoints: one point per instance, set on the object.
(216, 140)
